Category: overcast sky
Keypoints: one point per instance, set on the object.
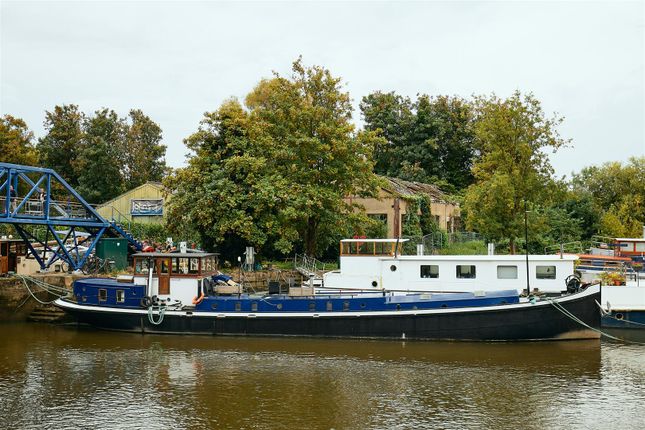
(175, 60)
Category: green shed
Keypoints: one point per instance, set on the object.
(114, 248)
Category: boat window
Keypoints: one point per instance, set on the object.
(141, 266)
(120, 296)
(180, 266)
(466, 271)
(254, 307)
(312, 306)
(545, 272)
(430, 271)
(164, 266)
(238, 306)
(194, 265)
(345, 305)
(640, 246)
(506, 272)
(102, 295)
(330, 307)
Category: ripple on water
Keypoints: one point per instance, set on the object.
(62, 378)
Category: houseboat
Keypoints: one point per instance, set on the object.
(175, 293)
(377, 265)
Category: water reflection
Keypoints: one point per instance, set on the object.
(60, 377)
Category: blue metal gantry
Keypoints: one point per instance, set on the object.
(26, 199)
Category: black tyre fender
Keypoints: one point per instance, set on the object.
(146, 302)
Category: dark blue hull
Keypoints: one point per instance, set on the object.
(634, 319)
(502, 322)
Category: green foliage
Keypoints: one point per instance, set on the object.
(142, 154)
(512, 136)
(275, 174)
(429, 140)
(16, 142)
(102, 155)
(150, 232)
(59, 148)
(618, 195)
(412, 224)
(99, 176)
(477, 247)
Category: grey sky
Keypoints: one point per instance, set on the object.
(176, 60)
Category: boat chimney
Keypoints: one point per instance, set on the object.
(491, 249)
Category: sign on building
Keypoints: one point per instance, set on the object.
(146, 207)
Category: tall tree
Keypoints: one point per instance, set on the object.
(512, 135)
(618, 195)
(60, 147)
(97, 165)
(16, 142)
(428, 140)
(143, 154)
(279, 171)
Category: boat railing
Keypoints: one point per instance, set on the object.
(308, 266)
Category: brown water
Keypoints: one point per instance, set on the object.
(62, 377)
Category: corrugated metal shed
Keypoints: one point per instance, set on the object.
(153, 192)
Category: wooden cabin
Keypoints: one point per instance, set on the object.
(174, 274)
(10, 250)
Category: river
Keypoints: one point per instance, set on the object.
(68, 377)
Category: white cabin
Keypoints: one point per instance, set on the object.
(376, 265)
(174, 274)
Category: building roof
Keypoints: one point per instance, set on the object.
(402, 188)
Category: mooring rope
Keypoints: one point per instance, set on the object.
(51, 289)
(162, 312)
(568, 314)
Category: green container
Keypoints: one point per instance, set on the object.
(114, 249)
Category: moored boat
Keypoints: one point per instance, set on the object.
(184, 294)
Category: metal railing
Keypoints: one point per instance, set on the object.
(36, 208)
(308, 266)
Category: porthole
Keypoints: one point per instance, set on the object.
(393, 268)
(619, 316)
(214, 306)
(444, 305)
(398, 307)
(374, 283)
(279, 306)
(362, 305)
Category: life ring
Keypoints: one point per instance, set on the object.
(146, 302)
(198, 300)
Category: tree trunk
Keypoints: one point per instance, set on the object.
(511, 246)
(310, 237)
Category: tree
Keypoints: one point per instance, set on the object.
(60, 147)
(142, 152)
(429, 140)
(618, 195)
(278, 171)
(97, 165)
(16, 142)
(511, 135)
